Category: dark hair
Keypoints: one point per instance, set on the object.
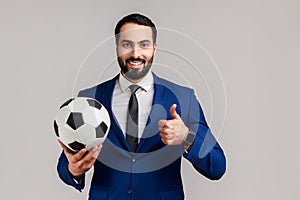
(136, 19)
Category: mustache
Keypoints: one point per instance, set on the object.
(135, 60)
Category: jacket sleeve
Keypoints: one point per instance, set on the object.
(64, 174)
(206, 155)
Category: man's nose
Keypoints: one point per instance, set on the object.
(135, 52)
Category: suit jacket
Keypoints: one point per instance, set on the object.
(154, 171)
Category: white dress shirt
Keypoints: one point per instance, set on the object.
(121, 96)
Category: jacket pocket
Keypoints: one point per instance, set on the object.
(95, 194)
(172, 195)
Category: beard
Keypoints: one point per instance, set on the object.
(135, 74)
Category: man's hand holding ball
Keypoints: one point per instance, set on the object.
(81, 161)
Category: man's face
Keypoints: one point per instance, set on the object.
(135, 50)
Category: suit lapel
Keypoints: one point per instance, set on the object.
(150, 140)
(105, 95)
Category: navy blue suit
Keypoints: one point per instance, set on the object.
(154, 171)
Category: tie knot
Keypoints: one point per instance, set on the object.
(134, 88)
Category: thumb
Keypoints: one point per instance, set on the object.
(173, 112)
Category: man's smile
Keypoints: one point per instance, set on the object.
(135, 63)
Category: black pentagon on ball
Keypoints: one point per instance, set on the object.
(75, 120)
(66, 103)
(77, 146)
(101, 130)
(56, 128)
(94, 103)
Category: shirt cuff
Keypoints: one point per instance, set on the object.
(78, 179)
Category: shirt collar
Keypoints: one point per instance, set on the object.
(145, 83)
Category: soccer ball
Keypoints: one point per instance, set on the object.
(81, 123)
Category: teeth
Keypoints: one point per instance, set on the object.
(135, 63)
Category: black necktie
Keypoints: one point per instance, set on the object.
(132, 119)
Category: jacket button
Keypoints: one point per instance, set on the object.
(129, 191)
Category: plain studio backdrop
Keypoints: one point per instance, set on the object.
(255, 44)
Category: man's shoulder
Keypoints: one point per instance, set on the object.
(92, 91)
(170, 85)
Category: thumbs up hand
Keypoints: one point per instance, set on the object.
(174, 131)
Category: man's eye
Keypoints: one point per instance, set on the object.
(126, 45)
(145, 45)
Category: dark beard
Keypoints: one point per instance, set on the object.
(134, 74)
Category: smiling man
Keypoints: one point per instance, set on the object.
(141, 157)
(135, 49)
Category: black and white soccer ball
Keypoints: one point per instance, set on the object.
(81, 123)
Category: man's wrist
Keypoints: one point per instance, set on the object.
(77, 179)
(189, 140)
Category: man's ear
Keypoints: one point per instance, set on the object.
(155, 48)
(116, 46)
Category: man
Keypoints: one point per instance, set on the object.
(152, 126)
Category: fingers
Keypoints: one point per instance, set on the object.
(161, 123)
(79, 155)
(173, 112)
(93, 154)
(82, 161)
(166, 141)
(166, 124)
(170, 123)
(167, 136)
(174, 130)
(167, 129)
(89, 160)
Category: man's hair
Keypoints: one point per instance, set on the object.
(136, 19)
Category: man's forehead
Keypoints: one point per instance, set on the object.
(135, 32)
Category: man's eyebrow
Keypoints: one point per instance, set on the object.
(143, 41)
(127, 41)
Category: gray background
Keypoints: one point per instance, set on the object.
(254, 43)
